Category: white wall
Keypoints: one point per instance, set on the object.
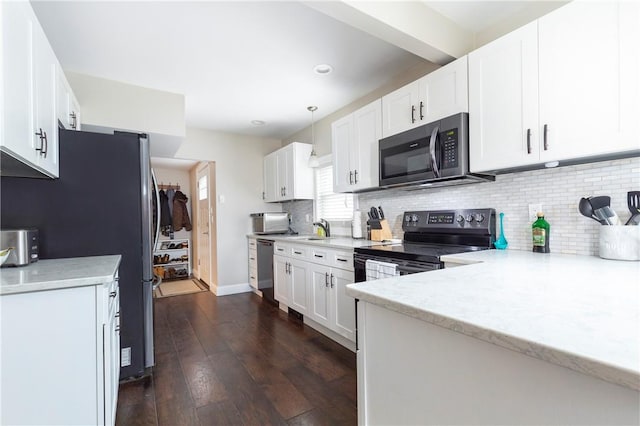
(239, 161)
(114, 105)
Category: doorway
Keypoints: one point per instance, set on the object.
(205, 235)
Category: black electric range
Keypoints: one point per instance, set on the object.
(428, 235)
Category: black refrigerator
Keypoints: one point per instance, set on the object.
(100, 205)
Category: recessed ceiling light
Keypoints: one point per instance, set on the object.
(322, 69)
(258, 122)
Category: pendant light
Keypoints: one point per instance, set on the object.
(313, 159)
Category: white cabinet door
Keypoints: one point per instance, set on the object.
(270, 179)
(320, 295)
(17, 70)
(67, 107)
(45, 125)
(341, 141)
(343, 316)
(400, 109)
(285, 166)
(444, 91)
(588, 53)
(281, 280)
(298, 274)
(367, 131)
(355, 148)
(503, 102)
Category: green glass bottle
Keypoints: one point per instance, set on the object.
(540, 231)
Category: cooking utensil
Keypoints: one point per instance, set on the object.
(584, 207)
(633, 202)
(502, 243)
(381, 212)
(600, 202)
(607, 215)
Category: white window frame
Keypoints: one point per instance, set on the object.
(325, 161)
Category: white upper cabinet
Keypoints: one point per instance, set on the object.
(588, 54)
(287, 175)
(437, 95)
(355, 149)
(444, 91)
(564, 87)
(270, 177)
(30, 103)
(503, 102)
(68, 109)
(400, 109)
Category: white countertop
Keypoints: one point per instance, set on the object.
(580, 312)
(338, 242)
(52, 274)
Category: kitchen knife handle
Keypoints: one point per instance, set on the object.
(546, 137)
(413, 113)
(528, 141)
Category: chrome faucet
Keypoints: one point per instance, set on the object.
(324, 225)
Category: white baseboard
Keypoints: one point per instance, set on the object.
(330, 334)
(226, 290)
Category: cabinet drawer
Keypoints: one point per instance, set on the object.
(341, 260)
(299, 252)
(281, 249)
(319, 255)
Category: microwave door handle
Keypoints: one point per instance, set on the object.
(432, 151)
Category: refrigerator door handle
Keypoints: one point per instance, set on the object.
(156, 237)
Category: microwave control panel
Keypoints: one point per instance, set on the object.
(449, 143)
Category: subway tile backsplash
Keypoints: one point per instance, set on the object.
(558, 190)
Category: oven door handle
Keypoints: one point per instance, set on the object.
(432, 150)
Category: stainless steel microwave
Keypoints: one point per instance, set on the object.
(433, 154)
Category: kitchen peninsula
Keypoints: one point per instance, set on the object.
(507, 337)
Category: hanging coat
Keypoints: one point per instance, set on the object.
(170, 194)
(180, 212)
(165, 214)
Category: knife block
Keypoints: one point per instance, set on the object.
(381, 234)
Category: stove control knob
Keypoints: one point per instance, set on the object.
(407, 218)
(460, 219)
(479, 217)
(414, 218)
(469, 218)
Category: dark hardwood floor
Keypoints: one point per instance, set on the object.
(234, 360)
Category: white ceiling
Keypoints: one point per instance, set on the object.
(238, 61)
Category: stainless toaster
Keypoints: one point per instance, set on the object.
(24, 243)
(270, 223)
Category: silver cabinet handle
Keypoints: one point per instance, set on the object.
(545, 137)
(350, 177)
(355, 175)
(340, 259)
(413, 112)
(74, 121)
(319, 255)
(40, 134)
(113, 294)
(297, 252)
(263, 195)
(528, 141)
(421, 108)
(326, 279)
(331, 280)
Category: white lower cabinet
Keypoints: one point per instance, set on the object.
(313, 282)
(60, 361)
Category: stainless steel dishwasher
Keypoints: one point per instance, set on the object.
(265, 269)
